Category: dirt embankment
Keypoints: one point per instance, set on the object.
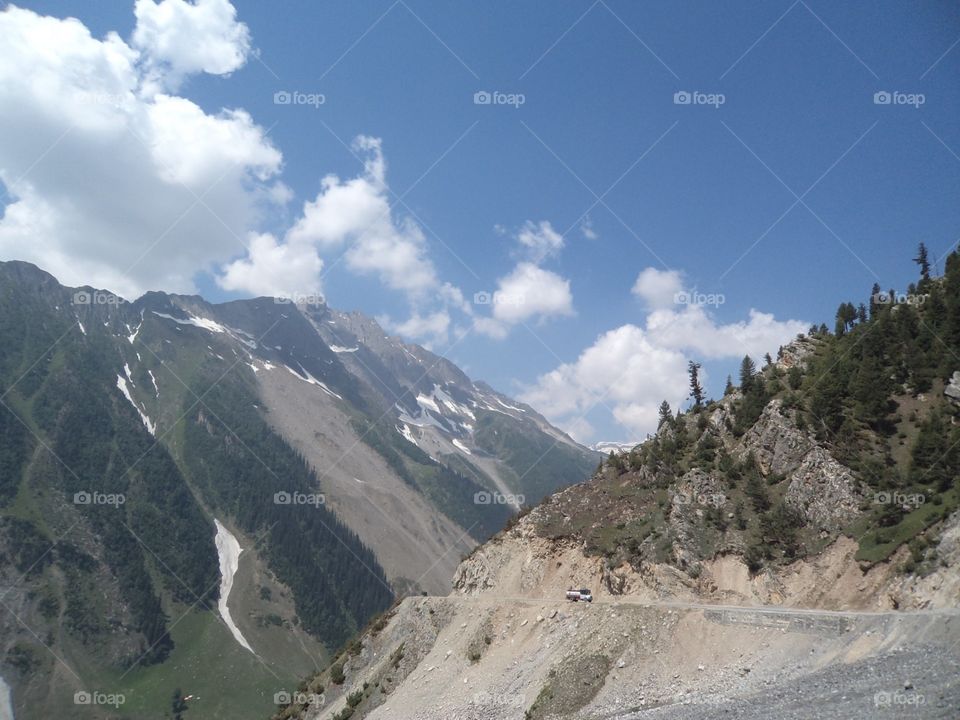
(522, 563)
(487, 657)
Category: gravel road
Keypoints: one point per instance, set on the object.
(921, 683)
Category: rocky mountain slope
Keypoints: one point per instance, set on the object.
(790, 550)
(154, 454)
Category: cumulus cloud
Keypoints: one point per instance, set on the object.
(539, 241)
(693, 329)
(531, 292)
(355, 214)
(179, 38)
(432, 328)
(110, 183)
(658, 288)
(276, 270)
(623, 370)
(631, 369)
(115, 180)
(528, 291)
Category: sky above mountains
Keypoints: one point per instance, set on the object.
(569, 200)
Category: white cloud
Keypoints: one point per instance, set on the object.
(693, 329)
(539, 241)
(657, 288)
(433, 328)
(276, 270)
(356, 213)
(530, 291)
(586, 227)
(178, 38)
(631, 369)
(624, 371)
(111, 185)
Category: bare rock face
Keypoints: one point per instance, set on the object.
(474, 574)
(696, 492)
(952, 390)
(722, 418)
(825, 492)
(776, 443)
(796, 353)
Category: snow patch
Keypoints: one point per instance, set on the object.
(339, 349)
(228, 551)
(307, 377)
(122, 385)
(460, 446)
(509, 407)
(6, 701)
(154, 381)
(82, 329)
(408, 434)
(427, 402)
(200, 322)
(133, 333)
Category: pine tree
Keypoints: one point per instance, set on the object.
(935, 459)
(923, 261)
(748, 371)
(728, 388)
(666, 415)
(951, 288)
(696, 390)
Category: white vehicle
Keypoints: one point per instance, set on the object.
(581, 594)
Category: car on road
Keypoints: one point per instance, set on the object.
(578, 595)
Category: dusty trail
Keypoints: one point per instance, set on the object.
(499, 657)
(493, 601)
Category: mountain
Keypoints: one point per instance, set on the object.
(208, 500)
(791, 550)
(608, 446)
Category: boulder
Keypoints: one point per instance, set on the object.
(952, 390)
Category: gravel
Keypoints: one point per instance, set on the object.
(919, 683)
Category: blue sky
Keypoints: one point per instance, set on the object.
(705, 194)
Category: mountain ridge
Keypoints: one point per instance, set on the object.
(257, 424)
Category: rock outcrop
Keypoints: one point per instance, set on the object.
(777, 445)
(952, 390)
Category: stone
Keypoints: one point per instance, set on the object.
(952, 390)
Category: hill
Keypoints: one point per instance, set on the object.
(789, 550)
